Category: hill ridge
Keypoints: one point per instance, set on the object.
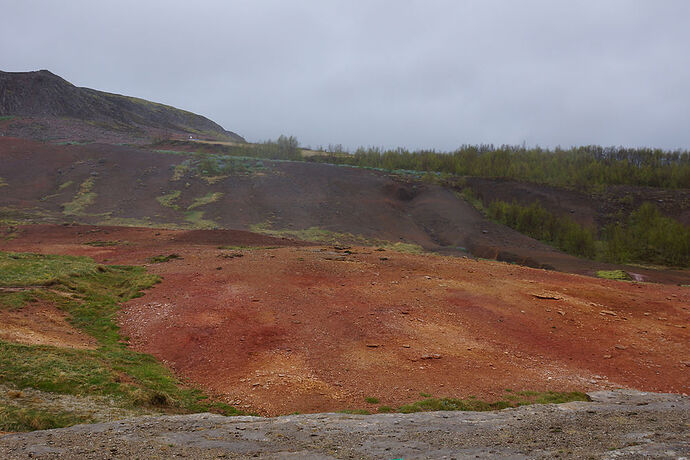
(43, 94)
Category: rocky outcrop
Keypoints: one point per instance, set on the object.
(616, 424)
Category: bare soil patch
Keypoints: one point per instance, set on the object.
(311, 329)
(41, 323)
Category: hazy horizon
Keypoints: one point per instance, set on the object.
(434, 74)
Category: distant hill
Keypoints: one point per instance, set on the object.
(58, 110)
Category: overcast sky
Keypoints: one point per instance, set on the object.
(419, 74)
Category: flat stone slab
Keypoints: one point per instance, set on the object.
(616, 424)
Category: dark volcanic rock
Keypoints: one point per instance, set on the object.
(44, 94)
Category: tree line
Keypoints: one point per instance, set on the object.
(645, 236)
(582, 168)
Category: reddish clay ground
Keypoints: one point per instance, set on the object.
(304, 328)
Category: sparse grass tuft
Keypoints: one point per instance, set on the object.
(103, 244)
(16, 300)
(26, 419)
(247, 248)
(196, 219)
(82, 199)
(371, 400)
(320, 235)
(355, 411)
(473, 404)
(614, 275)
(168, 200)
(161, 258)
(209, 198)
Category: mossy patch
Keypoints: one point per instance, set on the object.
(209, 198)
(168, 200)
(516, 399)
(65, 185)
(323, 236)
(196, 219)
(614, 275)
(83, 198)
(162, 258)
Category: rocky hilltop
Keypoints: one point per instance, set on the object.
(52, 101)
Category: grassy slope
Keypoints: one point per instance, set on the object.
(91, 295)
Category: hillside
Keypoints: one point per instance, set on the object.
(318, 202)
(48, 107)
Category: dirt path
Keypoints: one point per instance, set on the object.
(615, 425)
(314, 329)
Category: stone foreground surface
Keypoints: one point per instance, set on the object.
(616, 424)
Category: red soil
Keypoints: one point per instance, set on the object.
(304, 328)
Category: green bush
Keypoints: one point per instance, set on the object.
(538, 223)
(648, 236)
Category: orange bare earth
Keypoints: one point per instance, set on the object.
(313, 329)
(42, 324)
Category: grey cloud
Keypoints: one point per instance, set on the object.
(420, 74)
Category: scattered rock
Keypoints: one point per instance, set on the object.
(431, 356)
(548, 296)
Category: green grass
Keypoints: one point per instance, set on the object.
(168, 200)
(65, 185)
(179, 171)
(23, 269)
(472, 404)
(16, 300)
(614, 275)
(247, 248)
(323, 236)
(3, 182)
(83, 198)
(196, 219)
(104, 244)
(26, 419)
(6, 117)
(355, 411)
(162, 258)
(209, 198)
(90, 294)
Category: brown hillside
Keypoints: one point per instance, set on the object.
(119, 185)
